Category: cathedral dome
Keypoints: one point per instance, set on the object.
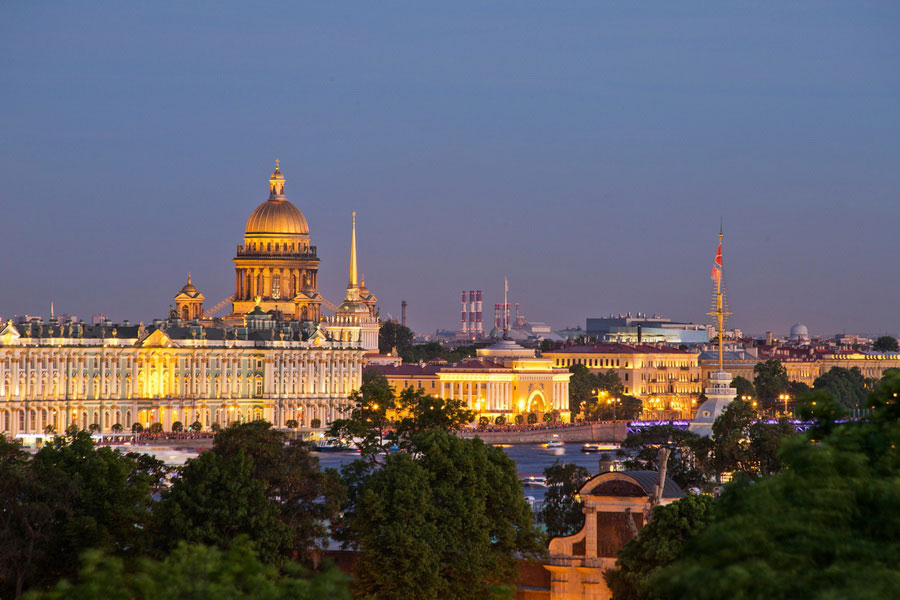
(276, 215)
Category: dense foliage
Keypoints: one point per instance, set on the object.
(393, 336)
(770, 380)
(886, 343)
(195, 572)
(849, 386)
(591, 395)
(73, 498)
(561, 512)
(823, 526)
(658, 545)
(445, 519)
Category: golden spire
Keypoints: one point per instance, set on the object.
(353, 273)
(718, 309)
(189, 278)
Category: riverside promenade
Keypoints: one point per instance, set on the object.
(587, 432)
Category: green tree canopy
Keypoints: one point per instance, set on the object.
(562, 508)
(392, 336)
(196, 572)
(825, 526)
(658, 545)
(744, 387)
(307, 497)
(688, 463)
(446, 520)
(771, 380)
(216, 500)
(584, 387)
(849, 386)
(111, 503)
(886, 343)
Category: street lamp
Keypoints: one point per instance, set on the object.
(784, 398)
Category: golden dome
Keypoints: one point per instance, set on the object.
(189, 287)
(277, 215)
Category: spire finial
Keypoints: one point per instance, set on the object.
(189, 278)
(354, 279)
(277, 164)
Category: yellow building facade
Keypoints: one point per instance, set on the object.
(667, 380)
(59, 375)
(504, 380)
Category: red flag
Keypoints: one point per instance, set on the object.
(717, 264)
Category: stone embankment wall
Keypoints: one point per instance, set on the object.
(591, 432)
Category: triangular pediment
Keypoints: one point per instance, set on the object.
(157, 339)
(9, 335)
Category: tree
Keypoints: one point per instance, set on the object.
(584, 388)
(196, 572)
(117, 427)
(658, 545)
(825, 526)
(562, 508)
(94, 427)
(213, 502)
(49, 429)
(744, 387)
(307, 498)
(771, 380)
(445, 520)
(500, 420)
(886, 343)
(315, 423)
(156, 428)
(177, 426)
(370, 416)
(215, 427)
(137, 428)
(35, 498)
(110, 502)
(688, 463)
(196, 426)
(849, 386)
(393, 335)
(292, 424)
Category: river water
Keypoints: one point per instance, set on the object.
(531, 459)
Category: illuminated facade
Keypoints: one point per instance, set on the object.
(57, 375)
(666, 380)
(189, 302)
(504, 380)
(276, 262)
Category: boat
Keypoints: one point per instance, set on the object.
(555, 442)
(330, 445)
(600, 447)
(533, 481)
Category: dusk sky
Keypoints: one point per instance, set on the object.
(585, 150)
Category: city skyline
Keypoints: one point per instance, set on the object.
(539, 145)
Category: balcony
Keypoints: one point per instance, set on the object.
(310, 254)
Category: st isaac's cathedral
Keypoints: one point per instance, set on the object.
(276, 356)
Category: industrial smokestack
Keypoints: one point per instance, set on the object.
(403, 313)
(464, 314)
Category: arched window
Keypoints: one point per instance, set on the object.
(184, 313)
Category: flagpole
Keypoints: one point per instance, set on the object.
(719, 310)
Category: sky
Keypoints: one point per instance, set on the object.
(588, 151)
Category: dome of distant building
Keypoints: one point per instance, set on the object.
(277, 215)
(799, 333)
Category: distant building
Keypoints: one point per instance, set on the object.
(642, 328)
(667, 380)
(504, 380)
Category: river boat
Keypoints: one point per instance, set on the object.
(599, 447)
(533, 480)
(331, 445)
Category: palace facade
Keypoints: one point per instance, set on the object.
(56, 375)
(504, 379)
(275, 357)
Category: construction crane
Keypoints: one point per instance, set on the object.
(208, 314)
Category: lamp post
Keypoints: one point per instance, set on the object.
(784, 398)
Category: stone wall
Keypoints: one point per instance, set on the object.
(591, 432)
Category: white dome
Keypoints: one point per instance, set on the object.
(799, 332)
